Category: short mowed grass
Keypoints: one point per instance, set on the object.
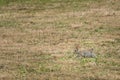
(38, 37)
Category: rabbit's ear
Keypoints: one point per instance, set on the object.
(76, 46)
(91, 50)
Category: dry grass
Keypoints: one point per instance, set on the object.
(37, 40)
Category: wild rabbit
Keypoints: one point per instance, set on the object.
(84, 53)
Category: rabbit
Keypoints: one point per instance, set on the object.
(84, 53)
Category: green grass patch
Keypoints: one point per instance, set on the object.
(7, 2)
(9, 23)
(23, 70)
(87, 60)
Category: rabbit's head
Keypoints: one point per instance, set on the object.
(76, 48)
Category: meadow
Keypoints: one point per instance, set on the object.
(38, 37)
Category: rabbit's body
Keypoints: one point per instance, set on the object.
(87, 54)
(84, 53)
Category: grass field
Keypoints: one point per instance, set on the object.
(37, 39)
